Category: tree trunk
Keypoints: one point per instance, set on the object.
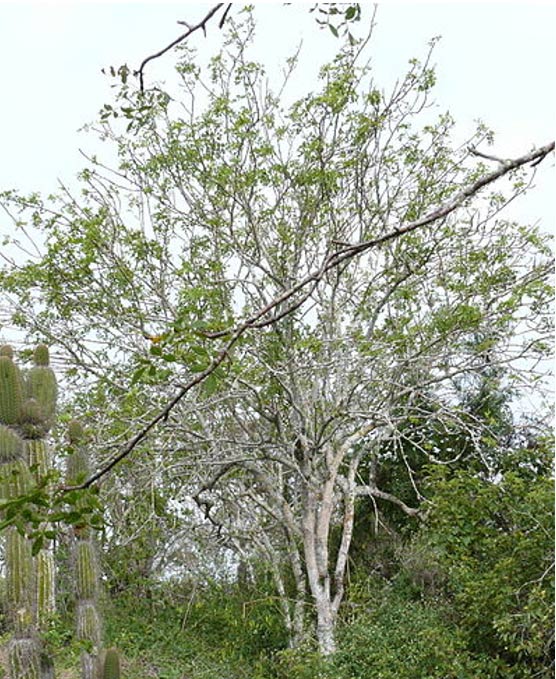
(315, 538)
(327, 581)
(326, 623)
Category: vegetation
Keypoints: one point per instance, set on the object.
(294, 330)
(487, 612)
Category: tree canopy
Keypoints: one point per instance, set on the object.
(280, 316)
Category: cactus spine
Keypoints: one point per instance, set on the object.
(85, 564)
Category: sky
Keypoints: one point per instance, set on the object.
(495, 62)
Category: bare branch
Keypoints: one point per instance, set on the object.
(373, 491)
(190, 29)
(480, 154)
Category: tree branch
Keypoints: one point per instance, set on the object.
(373, 491)
(261, 317)
(190, 29)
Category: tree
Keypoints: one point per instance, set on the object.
(322, 270)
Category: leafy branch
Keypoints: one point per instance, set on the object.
(275, 310)
(336, 17)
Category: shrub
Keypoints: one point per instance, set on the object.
(403, 639)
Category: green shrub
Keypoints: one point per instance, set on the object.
(404, 639)
(494, 542)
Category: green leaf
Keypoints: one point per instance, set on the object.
(210, 385)
(37, 545)
(138, 374)
(197, 367)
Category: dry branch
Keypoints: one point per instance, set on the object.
(202, 25)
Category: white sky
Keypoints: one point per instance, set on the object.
(495, 61)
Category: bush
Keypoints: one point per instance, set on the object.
(404, 639)
(494, 542)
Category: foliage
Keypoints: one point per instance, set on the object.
(184, 628)
(406, 640)
(337, 17)
(493, 538)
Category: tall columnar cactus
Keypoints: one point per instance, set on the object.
(24, 649)
(35, 420)
(86, 576)
(7, 350)
(41, 386)
(14, 470)
(27, 407)
(111, 665)
(11, 391)
(16, 480)
(20, 582)
(27, 410)
(24, 662)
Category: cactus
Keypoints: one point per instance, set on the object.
(46, 588)
(78, 466)
(11, 392)
(11, 445)
(40, 383)
(89, 631)
(26, 411)
(88, 624)
(7, 350)
(85, 564)
(27, 408)
(41, 355)
(32, 421)
(20, 581)
(35, 419)
(86, 576)
(16, 480)
(111, 665)
(75, 431)
(38, 457)
(24, 659)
